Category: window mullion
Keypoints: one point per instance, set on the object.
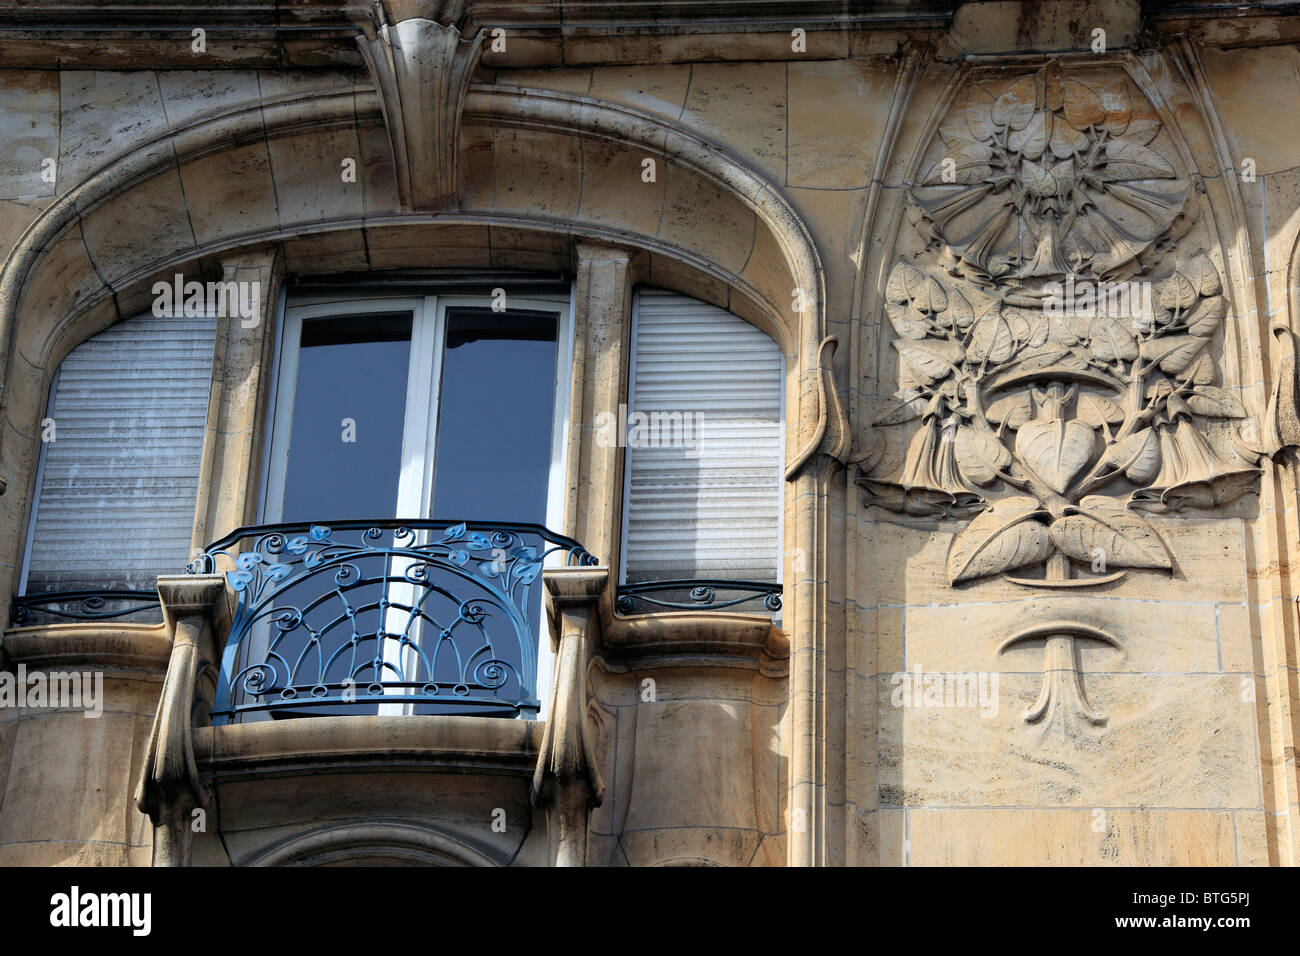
(415, 484)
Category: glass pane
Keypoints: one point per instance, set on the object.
(351, 368)
(344, 462)
(495, 416)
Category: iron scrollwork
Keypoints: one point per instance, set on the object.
(29, 609)
(383, 612)
(701, 594)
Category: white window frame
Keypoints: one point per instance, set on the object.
(419, 439)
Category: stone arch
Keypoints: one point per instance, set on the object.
(252, 177)
(376, 843)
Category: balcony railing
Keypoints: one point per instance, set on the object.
(384, 616)
(91, 605)
(698, 594)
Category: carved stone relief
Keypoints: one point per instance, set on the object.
(1056, 317)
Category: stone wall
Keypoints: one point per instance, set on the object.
(1096, 519)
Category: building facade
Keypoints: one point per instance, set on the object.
(758, 434)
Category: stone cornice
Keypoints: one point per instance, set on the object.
(315, 33)
(266, 34)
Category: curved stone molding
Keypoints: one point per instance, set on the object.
(375, 842)
(421, 69)
(1283, 418)
(831, 435)
(1062, 689)
(92, 255)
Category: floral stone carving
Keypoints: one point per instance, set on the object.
(1055, 341)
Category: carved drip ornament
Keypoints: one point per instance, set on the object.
(1055, 329)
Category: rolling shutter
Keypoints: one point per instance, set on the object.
(116, 494)
(713, 510)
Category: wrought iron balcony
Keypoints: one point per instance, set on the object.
(420, 616)
(698, 594)
(86, 605)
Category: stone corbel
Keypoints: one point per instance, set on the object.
(169, 790)
(1282, 423)
(567, 783)
(421, 69)
(830, 434)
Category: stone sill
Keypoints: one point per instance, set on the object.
(113, 647)
(442, 743)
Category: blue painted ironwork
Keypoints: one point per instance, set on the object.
(91, 605)
(364, 613)
(700, 594)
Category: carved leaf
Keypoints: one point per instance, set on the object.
(1158, 388)
(1015, 107)
(970, 164)
(1215, 402)
(1096, 409)
(1173, 352)
(1082, 106)
(955, 135)
(908, 324)
(1115, 101)
(1206, 315)
(1064, 176)
(1127, 160)
(1201, 273)
(996, 336)
(930, 296)
(979, 109)
(1032, 140)
(931, 359)
(1124, 538)
(1056, 451)
(904, 279)
(1111, 339)
(1142, 130)
(980, 455)
(1013, 410)
(1067, 142)
(1177, 292)
(960, 311)
(1138, 456)
(1008, 536)
(1201, 372)
(1037, 180)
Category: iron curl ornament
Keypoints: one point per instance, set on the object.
(430, 614)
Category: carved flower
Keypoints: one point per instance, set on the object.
(1049, 177)
(928, 483)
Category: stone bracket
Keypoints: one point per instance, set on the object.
(567, 782)
(421, 69)
(169, 789)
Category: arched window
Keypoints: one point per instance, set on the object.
(704, 492)
(122, 443)
(415, 467)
